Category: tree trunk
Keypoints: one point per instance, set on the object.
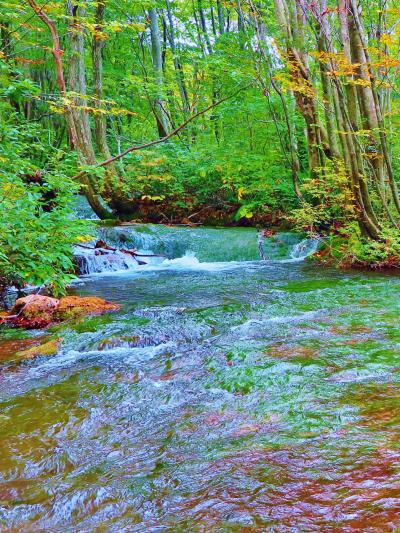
(354, 11)
(177, 64)
(264, 50)
(366, 216)
(221, 17)
(203, 26)
(97, 61)
(90, 192)
(77, 85)
(156, 51)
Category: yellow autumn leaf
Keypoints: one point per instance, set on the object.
(84, 238)
(386, 39)
(241, 191)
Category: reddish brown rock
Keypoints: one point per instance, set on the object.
(9, 347)
(35, 311)
(34, 305)
(29, 323)
(76, 306)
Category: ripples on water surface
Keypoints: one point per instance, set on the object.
(224, 397)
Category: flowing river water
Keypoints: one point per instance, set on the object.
(229, 394)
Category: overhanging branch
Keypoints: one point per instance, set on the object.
(136, 148)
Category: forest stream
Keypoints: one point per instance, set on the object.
(229, 394)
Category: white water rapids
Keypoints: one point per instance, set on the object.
(200, 249)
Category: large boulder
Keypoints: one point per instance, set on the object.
(34, 311)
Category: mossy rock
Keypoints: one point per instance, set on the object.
(75, 307)
(35, 311)
(47, 349)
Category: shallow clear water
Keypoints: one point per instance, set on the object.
(225, 396)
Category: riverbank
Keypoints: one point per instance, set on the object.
(224, 215)
(350, 253)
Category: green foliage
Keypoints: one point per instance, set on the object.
(190, 178)
(349, 248)
(327, 199)
(37, 229)
(241, 158)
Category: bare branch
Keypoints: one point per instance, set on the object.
(136, 148)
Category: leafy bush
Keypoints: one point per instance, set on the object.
(37, 230)
(220, 178)
(348, 248)
(327, 199)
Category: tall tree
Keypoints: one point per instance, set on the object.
(160, 110)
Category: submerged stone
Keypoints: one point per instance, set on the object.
(47, 349)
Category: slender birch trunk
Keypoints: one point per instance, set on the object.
(156, 52)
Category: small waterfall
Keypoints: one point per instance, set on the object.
(279, 247)
(207, 244)
(187, 248)
(305, 248)
(88, 262)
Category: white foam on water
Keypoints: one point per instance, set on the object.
(118, 262)
(188, 262)
(42, 367)
(305, 248)
(254, 326)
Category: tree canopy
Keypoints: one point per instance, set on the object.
(251, 112)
